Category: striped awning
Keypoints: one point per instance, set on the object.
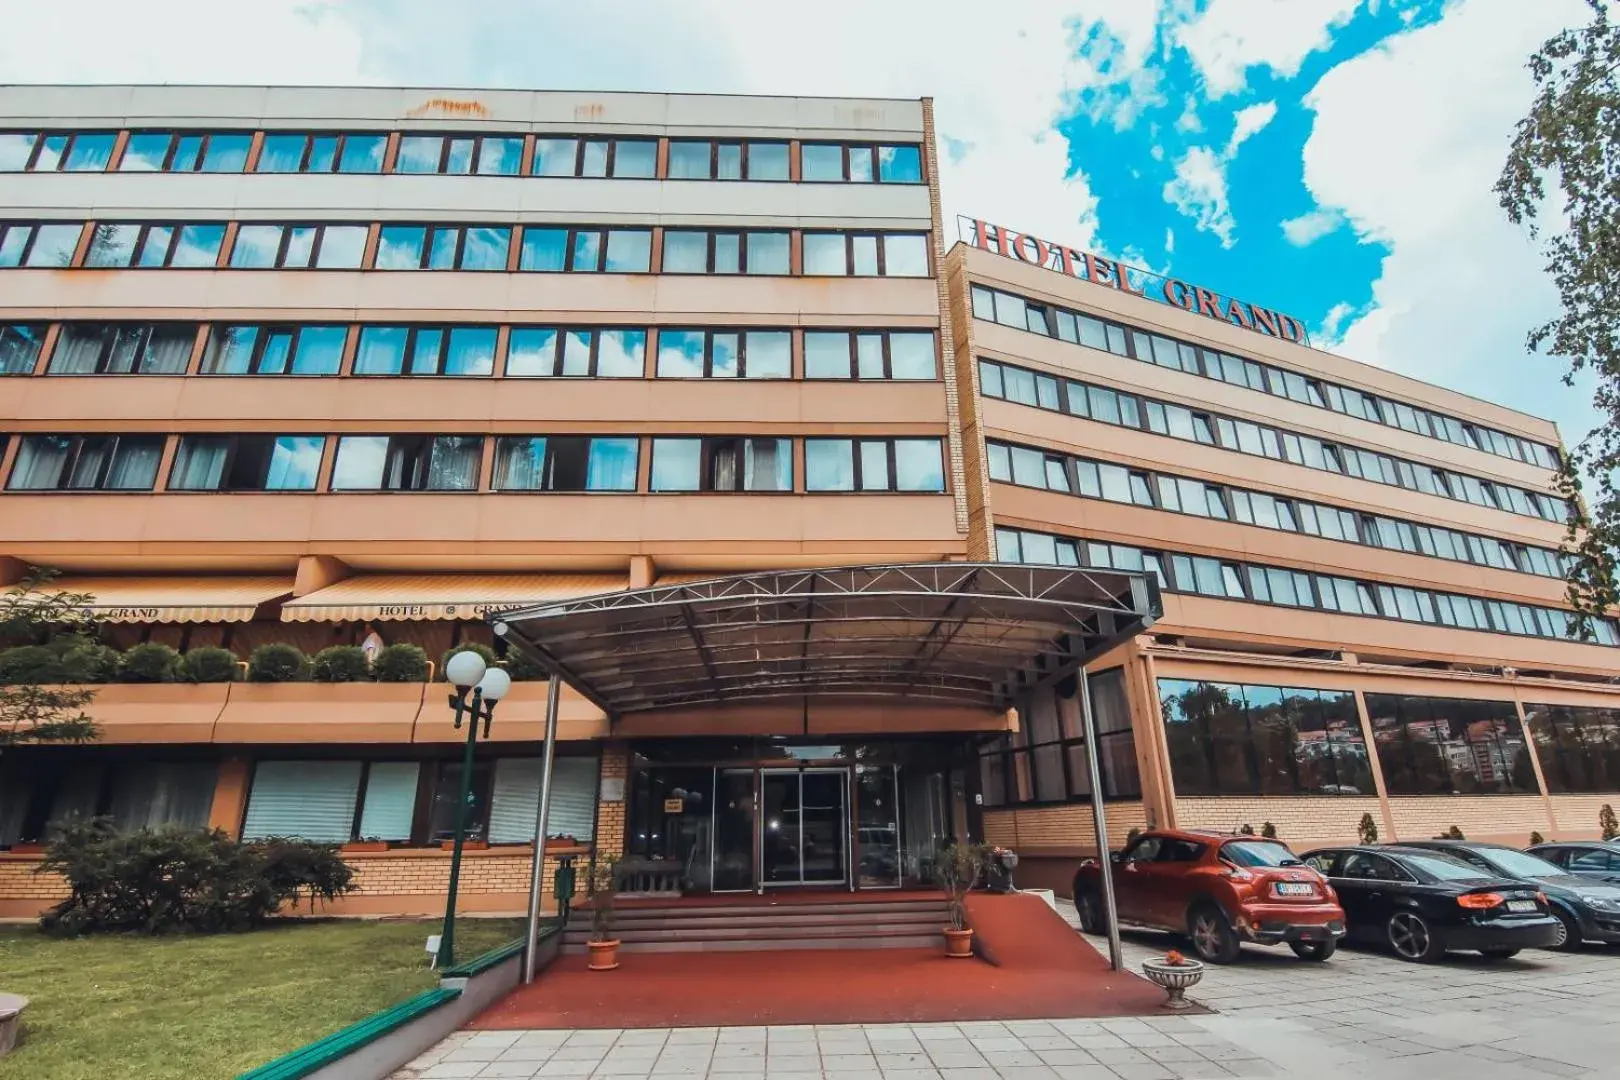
(410, 598)
(175, 599)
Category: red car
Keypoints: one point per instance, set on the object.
(1218, 889)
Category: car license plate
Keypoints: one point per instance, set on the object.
(1521, 905)
(1294, 888)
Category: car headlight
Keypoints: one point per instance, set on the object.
(1605, 903)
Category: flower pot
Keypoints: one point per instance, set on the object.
(355, 846)
(28, 849)
(958, 943)
(604, 955)
(1174, 978)
(11, 1008)
(466, 845)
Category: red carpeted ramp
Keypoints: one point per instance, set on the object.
(1034, 967)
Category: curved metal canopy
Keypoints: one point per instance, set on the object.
(960, 634)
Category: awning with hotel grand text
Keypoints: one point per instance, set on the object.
(175, 599)
(408, 598)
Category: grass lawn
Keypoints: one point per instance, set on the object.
(207, 1007)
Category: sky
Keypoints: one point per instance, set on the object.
(1332, 159)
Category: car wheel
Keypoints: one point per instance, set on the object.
(1313, 950)
(1569, 932)
(1089, 905)
(1412, 939)
(1212, 936)
(1499, 954)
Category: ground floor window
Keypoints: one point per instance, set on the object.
(1442, 746)
(42, 792)
(1579, 747)
(1044, 761)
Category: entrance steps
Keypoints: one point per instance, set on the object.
(780, 921)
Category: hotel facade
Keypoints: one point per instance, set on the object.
(361, 367)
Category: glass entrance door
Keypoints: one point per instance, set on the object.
(735, 830)
(804, 826)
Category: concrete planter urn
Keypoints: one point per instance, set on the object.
(1175, 973)
(11, 1007)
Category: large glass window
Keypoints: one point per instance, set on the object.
(177, 246)
(247, 463)
(443, 247)
(869, 354)
(725, 354)
(565, 463)
(860, 163)
(322, 152)
(1579, 746)
(86, 463)
(1045, 760)
(186, 151)
(407, 463)
(586, 251)
(873, 465)
(699, 251)
(123, 349)
(838, 254)
(709, 159)
(426, 350)
(298, 247)
(463, 155)
(756, 464)
(43, 245)
(56, 151)
(332, 802)
(621, 159)
(576, 352)
(150, 795)
(1443, 746)
(20, 344)
(274, 350)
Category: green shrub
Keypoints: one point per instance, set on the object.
(1368, 829)
(150, 662)
(340, 663)
(1536, 838)
(471, 646)
(400, 663)
(170, 879)
(67, 659)
(1269, 831)
(1607, 823)
(87, 661)
(1452, 833)
(277, 663)
(210, 664)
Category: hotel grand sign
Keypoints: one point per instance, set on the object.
(1111, 273)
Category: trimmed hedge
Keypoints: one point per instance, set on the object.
(210, 664)
(340, 663)
(277, 663)
(151, 662)
(402, 662)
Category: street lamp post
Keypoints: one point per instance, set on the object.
(478, 688)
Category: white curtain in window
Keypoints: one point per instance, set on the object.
(150, 795)
(135, 465)
(517, 799)
(453, 463)
(390, 801)
(15, 795)
(200, 463)
(78, 351)
(309, 800)
(40, 462)
(168, 350)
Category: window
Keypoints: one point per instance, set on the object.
(333, 802)
(575, 352)
(177, 246)
(1045, 760)
(86, 463)
(461, 155)
(123, 349)
(56, 151)
(873, 465)
(586, 251)
(757, 464)
(20, 344)
(247, 463)
(407, 463)
(725, 354)
(1443, 746)
(565, 463)
(705, 159)
(1579, 746)
(150, 795)
(186, 151)
(516, 797)
(274, 350)
(836, 254)
(869, 354)
(298, 247)
(860, 163)
(38, 245)
(694, 251)
(633, 159)
(322, 152)
(426, 350)
(443, 247)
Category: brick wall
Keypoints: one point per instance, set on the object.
(1060, 830)
(1505, 819)
(1302, 822)
(23, 893)
(610, 816)
(1576, 816)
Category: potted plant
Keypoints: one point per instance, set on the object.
(472, 840)
(1000, 863)
(958, 870)
(603, 945)
(365, 843)
(1175, 973)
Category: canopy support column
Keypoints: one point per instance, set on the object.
(1105, 862)
(537, 875)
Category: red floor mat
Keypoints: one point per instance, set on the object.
(1043, 970)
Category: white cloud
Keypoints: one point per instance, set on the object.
(1247, 122)
(1311, 226)
(1413, 169)
(1232, 36)
(1189, 121)
(1169, 241)
(1199, 191)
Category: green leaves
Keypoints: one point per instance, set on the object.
(53, 635)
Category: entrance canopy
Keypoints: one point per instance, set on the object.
(961, 634)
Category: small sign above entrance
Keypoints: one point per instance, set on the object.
(674, 806)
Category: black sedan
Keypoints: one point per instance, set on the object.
(1586, 910)
(1593, 859)
(1421, 903)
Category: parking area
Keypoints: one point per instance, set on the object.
(1360, 1014)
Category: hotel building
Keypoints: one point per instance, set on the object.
(360, 367)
